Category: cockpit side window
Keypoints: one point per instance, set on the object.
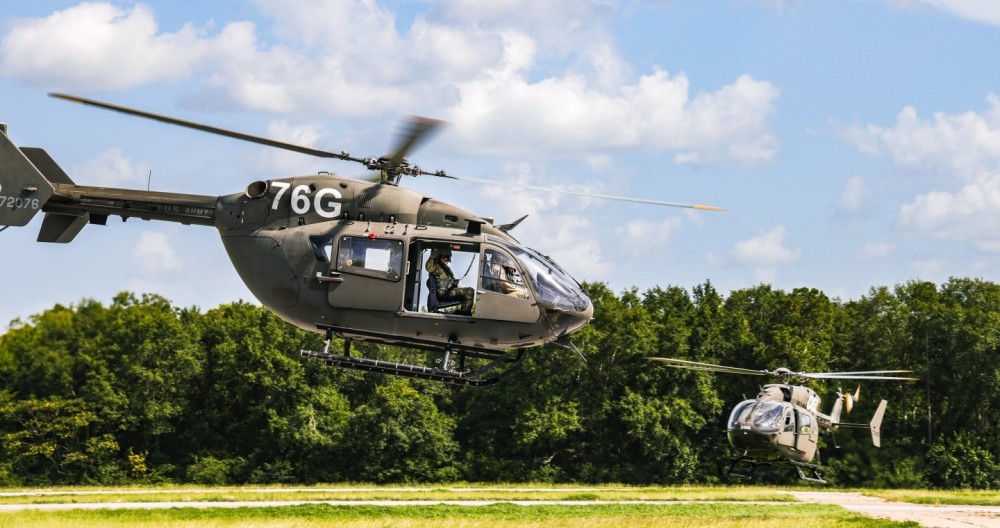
(501, 274)
(554, 288)
(378, 258)
(805, 423)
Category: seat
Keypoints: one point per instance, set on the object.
(434, 304)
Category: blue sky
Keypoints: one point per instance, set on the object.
(853, 143)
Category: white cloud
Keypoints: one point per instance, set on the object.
(277, 161)
(963, 152)
(853, 196)
(965, 146)
(928, 270)
(518, 78)
(100, 46)
(972, 212)
(153, 254)
(112, 168)
(642, 237)
(767, 249)
(657, 112)
(874, 251)
(978, 10)
(571, 244)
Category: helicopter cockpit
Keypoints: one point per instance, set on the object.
(555, 288)
(762, 417)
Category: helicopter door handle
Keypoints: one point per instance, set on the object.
(323, 278)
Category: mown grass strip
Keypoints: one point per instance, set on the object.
(941, 497)
(518, 493)
(499, 515)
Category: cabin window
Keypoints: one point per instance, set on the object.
(805, 423)
(372, 257)
(789, 422)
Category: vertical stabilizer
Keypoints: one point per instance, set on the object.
(23, 189)
(835, 412)
(876, 424)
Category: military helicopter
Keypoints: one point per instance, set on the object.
(343, 257)
(781, 426)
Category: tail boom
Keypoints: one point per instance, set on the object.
(32, 182)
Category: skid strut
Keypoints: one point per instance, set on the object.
(807, 472)
(444, 374)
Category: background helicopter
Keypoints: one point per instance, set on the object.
(781, 426)
(342, 256)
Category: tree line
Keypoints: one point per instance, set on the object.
(141, 391)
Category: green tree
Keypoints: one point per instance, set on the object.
(52, 440)
(400, 436)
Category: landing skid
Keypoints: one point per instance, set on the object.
(807, 472)
(448, 371)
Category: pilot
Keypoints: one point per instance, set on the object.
(447, 285)
(501, 276)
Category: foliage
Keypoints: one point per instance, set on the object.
(142, 391)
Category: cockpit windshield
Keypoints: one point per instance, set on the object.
(554, 287)
(740, 413)
(766, 416)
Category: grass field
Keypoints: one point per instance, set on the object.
(500, 515)
(683, 506)
(525, 492)
(952, 497)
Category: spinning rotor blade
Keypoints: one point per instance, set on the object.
(417, 130)
(210, 129)
(866, 375)
(694, 365)
(586, 194)
(785, 373)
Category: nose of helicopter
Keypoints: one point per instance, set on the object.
(565, 322)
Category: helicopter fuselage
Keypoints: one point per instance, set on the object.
(781, 423)
(311, 269)
(299, 245)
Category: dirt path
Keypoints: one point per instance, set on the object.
(929, 516)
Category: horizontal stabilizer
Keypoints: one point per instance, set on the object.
(62, 228)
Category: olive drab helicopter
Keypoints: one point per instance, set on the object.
(344, 257)
(781, 426)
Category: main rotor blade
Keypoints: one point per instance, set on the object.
(586, 194)
(870, 375)
(694, 365)
(416, 131)
(864, 372)
(210, 129)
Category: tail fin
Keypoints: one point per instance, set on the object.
(876, 424)
(23, 188)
